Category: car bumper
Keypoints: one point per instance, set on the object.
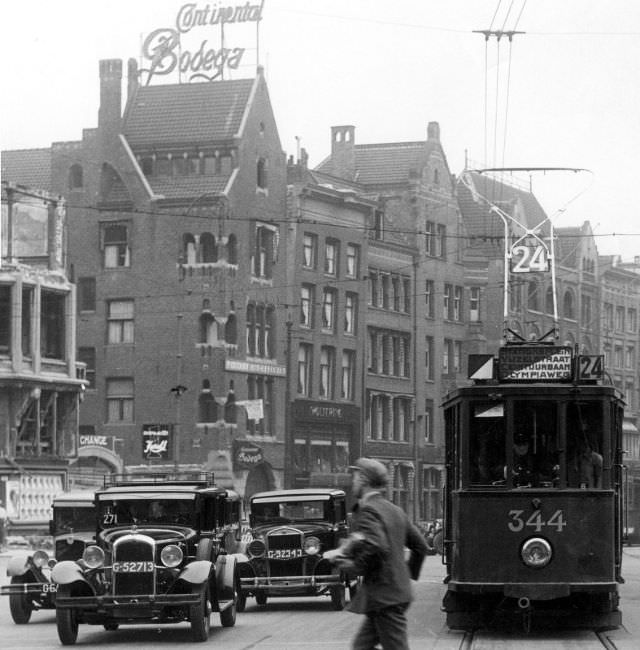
(289, 583)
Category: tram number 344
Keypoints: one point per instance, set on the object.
(535, 521)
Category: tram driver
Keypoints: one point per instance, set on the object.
(522, 462)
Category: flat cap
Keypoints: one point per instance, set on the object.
(375, 471)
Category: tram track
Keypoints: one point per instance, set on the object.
(548, 640)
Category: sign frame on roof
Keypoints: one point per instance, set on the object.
(552, 363)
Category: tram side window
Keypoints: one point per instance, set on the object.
(487, 445)
(536, 452)
(584, 445)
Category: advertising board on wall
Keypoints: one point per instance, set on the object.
(156, 441)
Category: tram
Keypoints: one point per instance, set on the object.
(533, 516)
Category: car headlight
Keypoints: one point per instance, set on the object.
(256, 548)
(93, 557)
(536, 552)
(312, 545)
(40, 559)
(171, 555)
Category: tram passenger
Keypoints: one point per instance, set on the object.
(584, 470)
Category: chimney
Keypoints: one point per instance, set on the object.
(109, 113)
(343, 159)
(433, 132)
(132, 78)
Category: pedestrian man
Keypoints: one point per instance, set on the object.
(376, 551)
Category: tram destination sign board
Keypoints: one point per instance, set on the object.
(535, 363)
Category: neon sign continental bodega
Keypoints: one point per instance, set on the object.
(165, 53)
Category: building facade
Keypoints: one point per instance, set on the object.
(41, 384)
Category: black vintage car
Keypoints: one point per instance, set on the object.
(290, 531)
(73, 527)
(161, 556)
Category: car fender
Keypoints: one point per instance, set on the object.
(226, 576)
(197, 572)
(67, 572)
(18, 566)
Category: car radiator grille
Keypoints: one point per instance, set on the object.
(279, 568)
(66, 551)
(276, 542)
(133, 550)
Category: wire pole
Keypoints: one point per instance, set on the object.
(288, 433)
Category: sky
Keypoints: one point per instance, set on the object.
(564, 93)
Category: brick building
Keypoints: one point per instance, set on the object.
(415, 312)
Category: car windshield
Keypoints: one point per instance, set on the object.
(74, 518)
(289, 511)
(142, 512)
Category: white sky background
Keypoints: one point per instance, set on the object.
(388, 68)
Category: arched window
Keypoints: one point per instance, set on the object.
(76, 181)
(188, 249)
(251, 327)
(548, 301)
(208, 248)
(568, 305)
(232, 250)
(207, 407)
(261, 174)
(208, 329)
(231, 330)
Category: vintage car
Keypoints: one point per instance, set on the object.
(73, 527)
(289, 532)
(160, 557)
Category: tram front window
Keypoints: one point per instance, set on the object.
(487, 445)
(535, 459)
(584, 445)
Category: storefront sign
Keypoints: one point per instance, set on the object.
(540, 363)
(246, 455)
(155, 441)
(95, 441)
(165, 50)
(234, 365)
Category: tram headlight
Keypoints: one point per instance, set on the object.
(536, 552)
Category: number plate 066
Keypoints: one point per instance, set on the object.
(133, 567)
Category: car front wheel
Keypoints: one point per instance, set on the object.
(200, 618)
(20, 605)
(228, 616)
(67, 623)
(242, 602)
